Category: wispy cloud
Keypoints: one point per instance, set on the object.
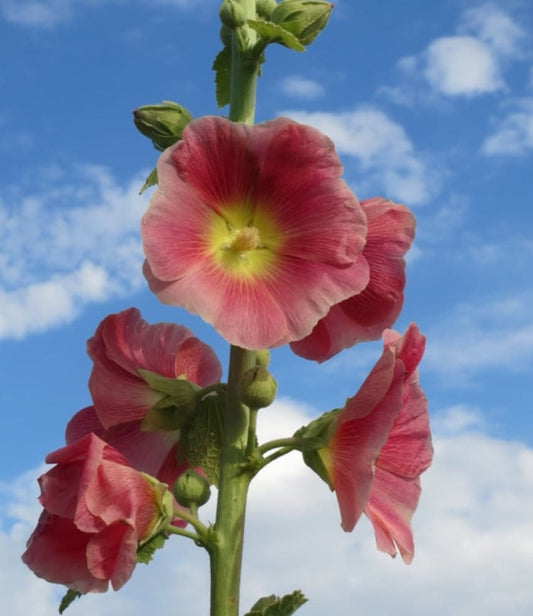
(48, 13)
(71, 240)
(297, 86)
(513, 135)
(385, 158)
(467, 63)
(473, 537)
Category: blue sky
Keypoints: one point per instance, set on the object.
(429, 104)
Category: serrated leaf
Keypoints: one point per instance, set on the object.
(273, 33)
(278, 606)
(151, 180)
(145, 552)
(203, 438)
(70, 596)
(222, 68)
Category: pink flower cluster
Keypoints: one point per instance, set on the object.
(99, 505)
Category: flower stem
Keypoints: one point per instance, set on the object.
(235, 475)
(226, 552)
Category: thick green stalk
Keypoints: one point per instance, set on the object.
(235, 476)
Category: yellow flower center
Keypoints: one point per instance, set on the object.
(243, 241)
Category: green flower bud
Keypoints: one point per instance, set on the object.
(265, 8)
(232, 14)
(258, 388)
(305, 19)
(163, 123)
(225, 35)
(191, 488)
(262, 357)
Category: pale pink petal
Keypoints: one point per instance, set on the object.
(111, 554)
(357, 443)
(197, 362)
(390, 507)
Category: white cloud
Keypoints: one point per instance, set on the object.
(470, 62)
(473, 536)
(486, 335)
(48, 13)
(384, 154)
(296, 86)
(72, 240)
(461, 65)
(514, 132)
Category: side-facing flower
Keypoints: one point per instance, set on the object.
(365, 315)
(253, 229)
(379, 444)
(97, 512)
(123, 344)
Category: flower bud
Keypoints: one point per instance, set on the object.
(265, 8)
(262, 357)
(163, 123)
(232, 14)
(191, 488)
(258, 388)
(305, 19)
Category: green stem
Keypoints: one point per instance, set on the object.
(226, 552)
(235, 476)
(291, 442)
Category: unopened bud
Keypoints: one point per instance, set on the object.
(191, 488)
(258, 388)
(262, 357)
(305, 19)
(232, 14)
(265, 8)
(162, 123)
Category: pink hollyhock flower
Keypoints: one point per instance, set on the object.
(382, 444)
(122, 344)
(365, 315)
(97, 511)
(252, 229)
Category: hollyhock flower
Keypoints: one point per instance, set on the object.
(124, 343)
(380, 445)
(252, 228)
(365, 315)
(97, 511)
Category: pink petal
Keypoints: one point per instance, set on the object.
(366, 314)
(56, 551)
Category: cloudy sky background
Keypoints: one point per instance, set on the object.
(429, 104)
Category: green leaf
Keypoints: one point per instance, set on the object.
(278, 606)
(150, 181)
(70, 596)
(203, 437)
(273, 33)
(222, 68)
(145, 552)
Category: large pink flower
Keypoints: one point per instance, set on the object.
(365, 315)
(382, 444)
(97, 511)
(252, 228)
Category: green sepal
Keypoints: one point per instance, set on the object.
(222, 68)
(314, 439)
(69, 597)
(203, 438)
(145, 552)
(175, 408)
(278, 606)
(273, 33)
(265, 8)
(151, 180)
